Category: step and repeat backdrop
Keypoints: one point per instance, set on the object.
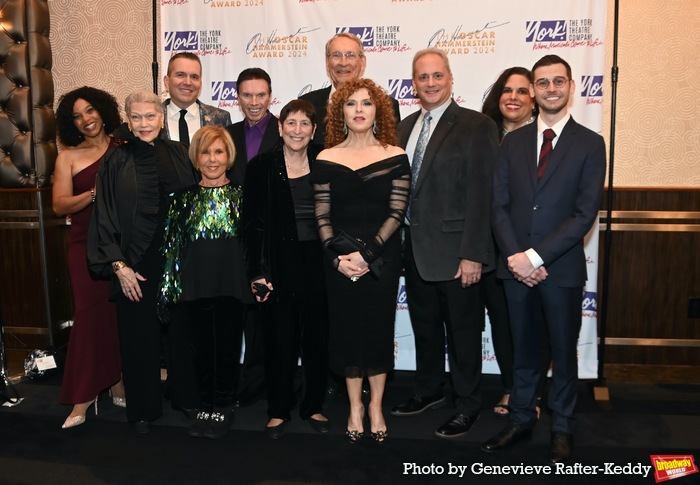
(287, 38)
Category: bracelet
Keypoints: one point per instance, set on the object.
(92, 194)
(117, 265)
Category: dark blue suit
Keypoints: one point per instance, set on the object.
(551, 216)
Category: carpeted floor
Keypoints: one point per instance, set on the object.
(639, 420)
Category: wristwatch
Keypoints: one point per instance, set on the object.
(117, 265)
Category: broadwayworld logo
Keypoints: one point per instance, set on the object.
(667, 467)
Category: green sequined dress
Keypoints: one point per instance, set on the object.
(202, 247)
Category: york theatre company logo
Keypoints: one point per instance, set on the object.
(402, 91)
(201, 42)
(552, 34)
(592, 89)
(280, 44)
(380, 38)
(458, 41)
(225, 93)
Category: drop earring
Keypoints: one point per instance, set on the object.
(374, 128)
(345, 128)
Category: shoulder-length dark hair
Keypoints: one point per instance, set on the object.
(385, 119)
(491, 106)
(102, 101)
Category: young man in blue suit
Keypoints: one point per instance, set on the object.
(543, 206)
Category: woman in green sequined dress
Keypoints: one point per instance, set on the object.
(204, 278)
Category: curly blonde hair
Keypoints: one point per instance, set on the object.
(385, 118)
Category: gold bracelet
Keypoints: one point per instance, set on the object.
(117, 265)
(92, 194)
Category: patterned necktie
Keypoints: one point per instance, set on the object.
(422, 142)
(184, 132)
(547, 137)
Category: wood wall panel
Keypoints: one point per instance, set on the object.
(653, 273)
(35, 288)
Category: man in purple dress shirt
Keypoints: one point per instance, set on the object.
(257, 133)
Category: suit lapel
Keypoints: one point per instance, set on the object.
(444, 126)
(203, 114)
(270, 136)
(165, 132)
(405, 128)
(557, 157)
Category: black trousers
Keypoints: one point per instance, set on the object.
(293, 329)
(140, 341)
(215, 330)
(442, 310)
(497, 307)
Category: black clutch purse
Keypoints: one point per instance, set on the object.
(343, 243)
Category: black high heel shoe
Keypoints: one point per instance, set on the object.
(379, 436)
(354, 435)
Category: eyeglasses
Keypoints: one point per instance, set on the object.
(338, 56)
(558, 82)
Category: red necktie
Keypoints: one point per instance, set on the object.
(547, 137)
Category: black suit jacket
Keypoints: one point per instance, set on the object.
(319, 100)
(271, 138)
(452, 197)
(554, 215)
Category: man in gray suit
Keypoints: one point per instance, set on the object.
(184, 112)
(547, 189)
(447, 241)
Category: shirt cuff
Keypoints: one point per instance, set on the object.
(534, 258)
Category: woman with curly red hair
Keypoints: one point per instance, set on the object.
(366, 179)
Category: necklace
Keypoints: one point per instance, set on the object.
(297, 171)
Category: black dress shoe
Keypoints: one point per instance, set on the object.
(417, 404)
(561, 448)
(458, 425)
(218, 424)
(319, 426)
(276, 432)
(508, 436)
(142, 427)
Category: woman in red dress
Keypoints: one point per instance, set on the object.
(85, 118)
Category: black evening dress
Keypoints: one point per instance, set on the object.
(368, 204)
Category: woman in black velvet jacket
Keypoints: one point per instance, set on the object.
(285, 268)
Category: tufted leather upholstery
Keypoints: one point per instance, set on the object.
(27, 122)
